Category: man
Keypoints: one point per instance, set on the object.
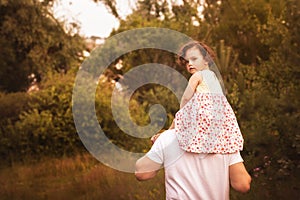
(190, 175)
(193, 175)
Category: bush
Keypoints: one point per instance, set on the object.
(45, 127)
(13, 104)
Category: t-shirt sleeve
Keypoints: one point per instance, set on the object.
(156, 152)
(235, 158)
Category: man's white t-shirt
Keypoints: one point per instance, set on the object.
(191, 176)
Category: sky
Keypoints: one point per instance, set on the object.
(94, 18)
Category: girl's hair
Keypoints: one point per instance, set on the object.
(207, 53)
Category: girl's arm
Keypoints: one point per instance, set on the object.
(172, 125)
(194, 81)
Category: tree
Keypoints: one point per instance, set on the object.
(33, 42)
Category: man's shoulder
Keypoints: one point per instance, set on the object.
(167, 141)
(168, 135)
(167, 146)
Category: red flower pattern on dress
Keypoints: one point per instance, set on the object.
(207, 124)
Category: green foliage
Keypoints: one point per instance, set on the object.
(226, 59)
(12, 104)
(268, 113)
(158, 95)
(137, 115)
(33, 42)
(46, 127)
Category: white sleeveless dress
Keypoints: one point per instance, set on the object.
(207, 123)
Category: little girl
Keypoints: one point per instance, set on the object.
(205, 122)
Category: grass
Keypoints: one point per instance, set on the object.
(81, 177)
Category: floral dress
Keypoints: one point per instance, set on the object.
(207, 123)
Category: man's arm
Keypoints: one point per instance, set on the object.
(146, 169)
(239, 178)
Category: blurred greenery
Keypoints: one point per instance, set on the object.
(33, 42)
(257, 46)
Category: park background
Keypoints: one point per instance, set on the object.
(42, 157)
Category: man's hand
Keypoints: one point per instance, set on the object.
(240, 180)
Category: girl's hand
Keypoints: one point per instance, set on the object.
(154, 137)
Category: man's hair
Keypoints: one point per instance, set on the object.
(207, 53)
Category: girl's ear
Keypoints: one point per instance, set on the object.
(206, 63)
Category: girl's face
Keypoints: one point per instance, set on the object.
(195, 60)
